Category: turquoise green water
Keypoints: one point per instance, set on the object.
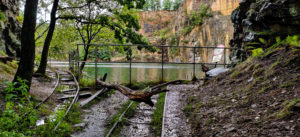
(119, 73)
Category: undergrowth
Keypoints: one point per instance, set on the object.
(156, 122)
(20, 116)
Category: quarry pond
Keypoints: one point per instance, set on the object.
(140, 72)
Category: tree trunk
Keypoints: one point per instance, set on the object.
(86, 53)
(26, 63)
(43, 64)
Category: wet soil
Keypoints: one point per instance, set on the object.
(96, 117)
(174, 121)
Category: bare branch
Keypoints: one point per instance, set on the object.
(41, 35)
(41, 24)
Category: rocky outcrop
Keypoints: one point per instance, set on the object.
(10, 27)
(265, 19)
(216, 30)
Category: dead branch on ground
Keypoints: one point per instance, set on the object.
(137, 95)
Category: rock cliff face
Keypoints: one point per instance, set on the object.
(214, 31)
(10, 28)
(265, 19)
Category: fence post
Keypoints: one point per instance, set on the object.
(130, 60)
(194, 64)
(162, 64)
(224, 57)
(96, 63)
(78, 64)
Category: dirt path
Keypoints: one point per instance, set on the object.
(175, 121)
(42, 87)
(139, 125)
(96, 117)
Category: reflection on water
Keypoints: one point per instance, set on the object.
(141, 72)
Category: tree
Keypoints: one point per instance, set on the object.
(93, 16)
(177, 4)
(43, 64)
(167, 5)
(157, 4)
(25, 68)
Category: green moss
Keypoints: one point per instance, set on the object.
(7, 68)
(276, 64)
(235, 74)
(287, 85)
(264, 89)
(258, 72)
(286, 110)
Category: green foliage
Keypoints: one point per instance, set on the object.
(177, 4)
(21, 90)
(196, 17)
(257, 52)
(167, 5)
(2, 16)
(19, 117)
(87, 82)
(174, 40)
(293, 41)
(186, 30)
(158, 115)
(20, 19)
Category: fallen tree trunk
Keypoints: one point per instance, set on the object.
(139, 96)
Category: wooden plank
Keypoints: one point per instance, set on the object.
(83, 103)
(82, 95)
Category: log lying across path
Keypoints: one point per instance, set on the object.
(140, 96)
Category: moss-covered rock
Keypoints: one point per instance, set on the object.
(263, 19)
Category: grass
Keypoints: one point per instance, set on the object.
(129, 113)
(158, 115)
(188, 109)
(44, 110)
(141, 85)
(87, 82)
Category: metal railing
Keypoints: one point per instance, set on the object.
(162, 53)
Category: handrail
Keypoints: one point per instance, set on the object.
(160, 46)
(73, 101)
